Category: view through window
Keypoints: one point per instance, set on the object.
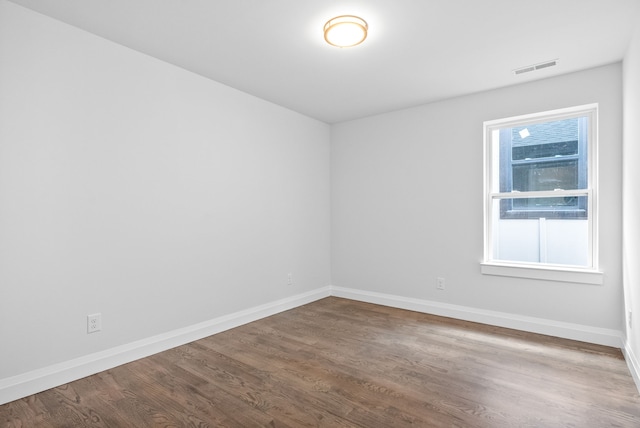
(539, 185)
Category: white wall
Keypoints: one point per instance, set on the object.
(631, 206)
(139, 190)
(407, 203)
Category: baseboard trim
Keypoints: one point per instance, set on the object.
(633, 363)
(35, 381)
(571, 331)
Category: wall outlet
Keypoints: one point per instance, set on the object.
(94, 323)
(440, 283)
(630, 319)
(290, 279)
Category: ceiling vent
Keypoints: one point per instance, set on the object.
(535, 67)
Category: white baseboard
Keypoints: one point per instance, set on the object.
(35, 381)
(633, 363)
(600, 336)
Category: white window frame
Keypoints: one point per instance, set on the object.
(589, 274)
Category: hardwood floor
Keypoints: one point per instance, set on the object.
(340, 363)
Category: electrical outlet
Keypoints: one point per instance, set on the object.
(94, 323)
(290, 279)
(630, 319)
(440, 283)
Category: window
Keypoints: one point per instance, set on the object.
(540, 198)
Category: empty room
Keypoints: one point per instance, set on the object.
(246, 213)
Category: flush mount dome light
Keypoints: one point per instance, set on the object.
(345, 31)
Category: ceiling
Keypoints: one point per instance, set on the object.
(417, 51)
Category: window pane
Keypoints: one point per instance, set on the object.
(542, 157)
(533, 238)
(540, 176)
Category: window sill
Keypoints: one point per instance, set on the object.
(545, 273)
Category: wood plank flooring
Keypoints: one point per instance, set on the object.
(341, 363)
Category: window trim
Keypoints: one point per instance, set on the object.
(545, 271)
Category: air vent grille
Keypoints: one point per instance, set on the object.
(530, 68)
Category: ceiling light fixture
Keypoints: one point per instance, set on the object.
(345, 31)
